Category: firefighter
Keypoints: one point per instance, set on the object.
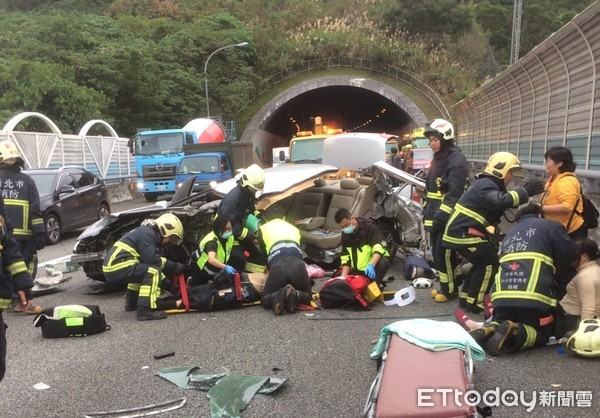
(478, 208)
(523, 293)
(135, 259)
(364, 248)
(22, 202)
(288, 283)
(14, 278)
(445, 184)
(211, 258)
(239, 205)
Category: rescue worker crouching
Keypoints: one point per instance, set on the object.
(239, 205)
(22, 202)
(136, 260)
(288, 284)
(364, 248)
(445, 183)
(211, 258)
(479, 207)
(523, 293)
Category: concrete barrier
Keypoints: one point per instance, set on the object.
(124, 191)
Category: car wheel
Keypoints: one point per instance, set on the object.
(103, 210)
(390, 239)
(151, 197)
(53, 229)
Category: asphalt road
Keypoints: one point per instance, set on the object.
(323, 355)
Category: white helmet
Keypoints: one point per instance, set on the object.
(586, 340)
(170, 225)
(254, 177)
(440, 128)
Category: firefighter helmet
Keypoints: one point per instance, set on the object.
(8, 152)
(586, 340)
(169, 225)
(254, 177)
(501, 163)
(440, 128)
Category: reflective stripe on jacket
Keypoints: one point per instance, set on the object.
(222, 253)
(481, 206)
(22, 202)
(358, 248)
(445, 184)
(530, 251)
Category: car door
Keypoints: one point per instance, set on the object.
(89, 196)
(67, 201)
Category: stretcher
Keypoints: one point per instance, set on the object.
(407, 370)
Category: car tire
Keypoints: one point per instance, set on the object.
(53, 229)
(390, 238)
(103, 210)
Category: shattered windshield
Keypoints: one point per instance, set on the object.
(159, 144)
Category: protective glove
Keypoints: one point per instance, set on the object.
(534, 187)
(370, 272)
(178, 268)
(229, 269)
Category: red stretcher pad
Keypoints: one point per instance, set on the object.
(408, 368)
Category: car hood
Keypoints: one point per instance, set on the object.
(282, 178)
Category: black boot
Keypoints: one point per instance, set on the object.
(131, 299)
(147, 314)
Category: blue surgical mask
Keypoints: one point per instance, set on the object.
(226, 235)
(348, 230)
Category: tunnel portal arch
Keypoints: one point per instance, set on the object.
(348, 102)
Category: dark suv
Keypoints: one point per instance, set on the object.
(70, 198)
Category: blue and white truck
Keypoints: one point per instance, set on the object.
(158, 154)
(213, 163)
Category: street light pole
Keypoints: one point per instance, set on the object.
(240, 45)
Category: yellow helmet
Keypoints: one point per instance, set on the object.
(170, 225)
(8, 151)
(440, 128)
(501, 163)
(586, 340)
(253, 176)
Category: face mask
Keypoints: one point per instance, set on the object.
(348, 230)
(226, 235)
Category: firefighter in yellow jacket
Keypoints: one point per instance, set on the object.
(288, 283)
(22, 202)
(364, 248)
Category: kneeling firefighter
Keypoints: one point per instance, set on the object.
(479, 207)
(136, 259)
(288, 283)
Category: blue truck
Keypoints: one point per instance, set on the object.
(213, 163)
(158, 154)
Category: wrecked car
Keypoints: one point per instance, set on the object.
(301, 192)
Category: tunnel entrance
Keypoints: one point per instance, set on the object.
(351, 104)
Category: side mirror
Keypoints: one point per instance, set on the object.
(130, 146)
(282, 156)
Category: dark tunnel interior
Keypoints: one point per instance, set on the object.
(352, 109)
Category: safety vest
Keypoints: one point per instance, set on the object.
(279, 231)
(360, 246)
(223, 253)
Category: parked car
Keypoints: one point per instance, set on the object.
(70, 198)
(299, 190)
